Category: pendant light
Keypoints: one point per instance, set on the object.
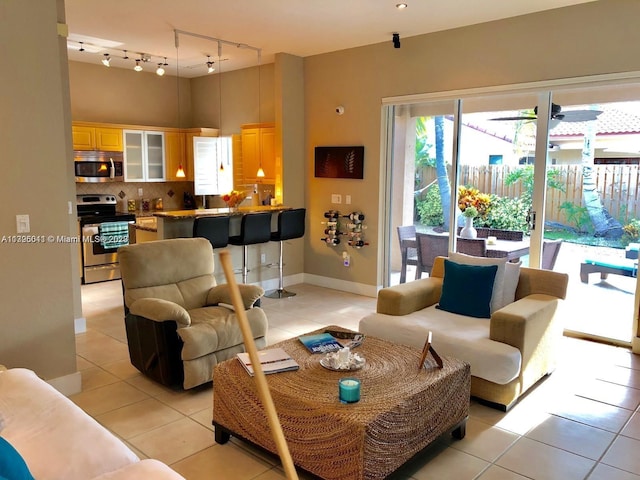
(180, 172)
(260, 172)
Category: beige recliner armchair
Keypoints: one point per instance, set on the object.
(177, 328)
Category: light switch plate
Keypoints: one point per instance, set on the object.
(347, 199)
(22, 224)
(336, 198)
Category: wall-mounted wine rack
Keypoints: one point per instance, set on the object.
(350, 225)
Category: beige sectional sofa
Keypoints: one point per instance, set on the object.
(58, 441)
(508, 352)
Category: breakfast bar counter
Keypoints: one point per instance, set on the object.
(179, 223)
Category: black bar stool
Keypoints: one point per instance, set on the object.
(290, 226)
(255, 228)
(214, 229)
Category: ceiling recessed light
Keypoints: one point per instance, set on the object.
(401, 6)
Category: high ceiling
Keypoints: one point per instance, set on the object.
(298, 27)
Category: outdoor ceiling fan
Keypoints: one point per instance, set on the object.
(558, 115)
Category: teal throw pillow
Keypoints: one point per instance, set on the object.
(467, 289)
(12, 465)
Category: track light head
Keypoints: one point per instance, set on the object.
(160, 70)
(138, 67)
(210, 67)
(396, 40)
(106, 60)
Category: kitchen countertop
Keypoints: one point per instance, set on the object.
(214, 212)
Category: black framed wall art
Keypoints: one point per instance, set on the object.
(339, 162)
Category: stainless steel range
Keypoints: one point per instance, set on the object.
(102, 230)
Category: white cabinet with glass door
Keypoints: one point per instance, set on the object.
(144, 156)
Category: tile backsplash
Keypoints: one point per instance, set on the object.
(171, 193)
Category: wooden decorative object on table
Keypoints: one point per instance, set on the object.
(428, 348)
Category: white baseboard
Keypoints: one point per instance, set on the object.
(67, 385)
(274, 283)
(80, 325)
(335, 284)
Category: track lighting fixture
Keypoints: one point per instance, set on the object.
(210, 68)
(106, 60)
(81, 49)
(126, 57)
(138, 67)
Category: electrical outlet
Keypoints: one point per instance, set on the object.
(263, 258)
(140, 192)
(347, 199)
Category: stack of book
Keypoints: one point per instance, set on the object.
(273, 360)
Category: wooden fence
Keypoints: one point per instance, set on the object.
(618, 185)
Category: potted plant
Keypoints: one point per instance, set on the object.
(469, 214)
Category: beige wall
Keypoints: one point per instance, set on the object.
(39, 282)
(239, 99)
(117, 95)
(588, 39)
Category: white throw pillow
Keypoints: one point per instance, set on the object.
(497, 298)
(511, 279)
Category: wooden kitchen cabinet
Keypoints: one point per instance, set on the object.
(175, 156)
(258, 149)
(104, 139)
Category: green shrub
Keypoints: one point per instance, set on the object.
(506, 213)
(577, 215)
(631, 232)
(429, 207)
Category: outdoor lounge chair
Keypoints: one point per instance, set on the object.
(622, 266)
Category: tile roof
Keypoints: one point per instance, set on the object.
(616, 118)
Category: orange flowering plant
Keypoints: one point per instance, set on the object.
(471, 197)
(233, 198)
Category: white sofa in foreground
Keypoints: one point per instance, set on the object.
(509, 351)
(58, 440)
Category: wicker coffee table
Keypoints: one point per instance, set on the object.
(402, 409)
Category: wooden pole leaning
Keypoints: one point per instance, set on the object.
(260, 378)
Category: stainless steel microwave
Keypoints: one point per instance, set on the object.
(93, 167)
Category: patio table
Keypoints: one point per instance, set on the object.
(510, 249)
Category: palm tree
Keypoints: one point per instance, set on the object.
(441, 171)
(604, 224)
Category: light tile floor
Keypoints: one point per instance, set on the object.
(583, 421)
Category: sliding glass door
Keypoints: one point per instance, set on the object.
(559, 166)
